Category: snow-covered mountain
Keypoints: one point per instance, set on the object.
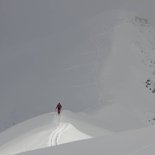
(121, 122)
(47, 131)
(105, 131)
(128, 77)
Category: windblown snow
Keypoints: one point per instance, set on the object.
(123, 121)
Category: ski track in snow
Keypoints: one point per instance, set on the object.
(55, 135)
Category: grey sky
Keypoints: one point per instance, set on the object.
(27, 19)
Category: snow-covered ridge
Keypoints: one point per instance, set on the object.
(133, 142)
(46, 131)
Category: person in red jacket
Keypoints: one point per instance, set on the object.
(58, 108)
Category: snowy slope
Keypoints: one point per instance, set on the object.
(46, 131)
(119, 117)
(124, 143)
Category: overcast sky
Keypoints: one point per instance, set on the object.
(22, 20)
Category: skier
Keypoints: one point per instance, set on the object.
(58, 108)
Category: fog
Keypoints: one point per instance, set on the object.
(26, 20)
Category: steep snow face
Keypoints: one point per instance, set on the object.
(128, 76)
(50, 130)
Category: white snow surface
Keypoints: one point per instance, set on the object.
(44, 134)
(124, 143)
(47, 131)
